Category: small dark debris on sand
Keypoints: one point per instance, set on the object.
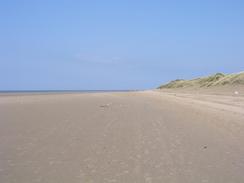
(105, 106)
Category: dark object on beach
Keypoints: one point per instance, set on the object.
(105, 106)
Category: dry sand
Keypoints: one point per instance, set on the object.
(150, 136)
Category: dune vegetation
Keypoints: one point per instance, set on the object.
(218, 79)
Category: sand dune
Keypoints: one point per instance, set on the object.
(152, 136)
(218, 79)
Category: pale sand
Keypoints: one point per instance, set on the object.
(151, 136)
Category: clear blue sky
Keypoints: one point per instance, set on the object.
(107, 44)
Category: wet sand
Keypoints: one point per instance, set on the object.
(149, 136)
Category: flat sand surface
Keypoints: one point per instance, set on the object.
(130, 137)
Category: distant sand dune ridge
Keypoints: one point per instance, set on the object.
(218, 79)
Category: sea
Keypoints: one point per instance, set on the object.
(13, 92)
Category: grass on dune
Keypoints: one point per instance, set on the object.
(218, 79)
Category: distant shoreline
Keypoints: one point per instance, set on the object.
(27, 92)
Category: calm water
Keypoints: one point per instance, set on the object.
(57, 91)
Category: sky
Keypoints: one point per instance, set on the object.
(114, 45)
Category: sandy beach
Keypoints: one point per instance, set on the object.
(124, 137)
